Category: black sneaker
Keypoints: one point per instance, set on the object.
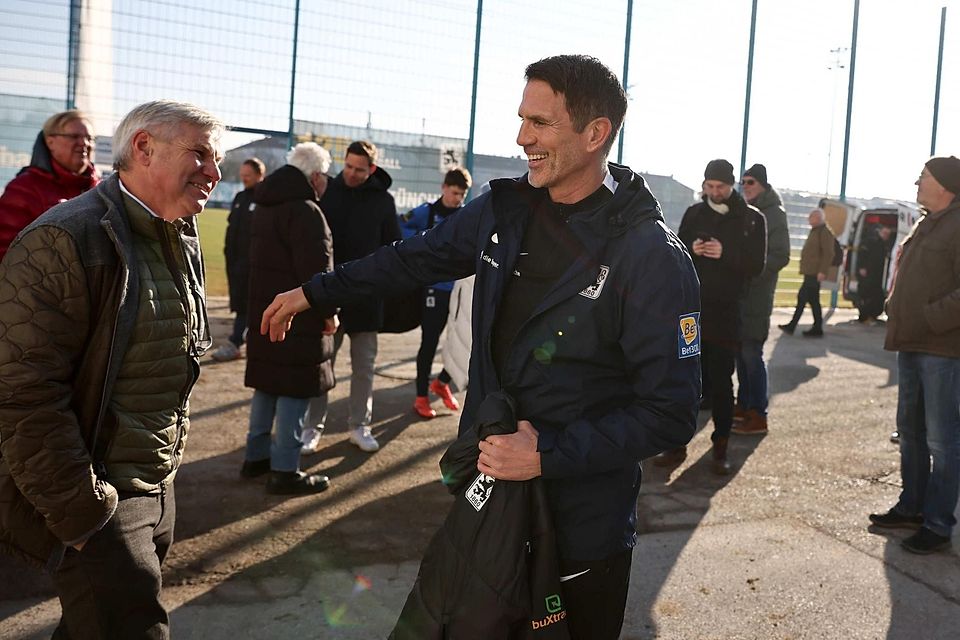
(296, 482)
(787, 328)
(813, 332)
(895, 520)
(925, 541)
(254, 468)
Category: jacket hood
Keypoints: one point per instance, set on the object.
(286, 184)
(41, 158)
(769, 198)
(632, 203)
(379, 181)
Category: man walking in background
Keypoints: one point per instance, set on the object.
(236, 250)
(757, 304)
(436, 298)
(95, 381)
(362, 218)
(816, 258)
(923, 325)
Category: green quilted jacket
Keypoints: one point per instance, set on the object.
(69, 292)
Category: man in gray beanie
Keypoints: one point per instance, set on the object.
(923, 325)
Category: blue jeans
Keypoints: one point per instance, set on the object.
(928, 419)
(284, 449)
(752, 377)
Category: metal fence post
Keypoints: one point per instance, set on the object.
(293, 71)
(936, 95)
(473, 95)
(746, 105)
(626, 71)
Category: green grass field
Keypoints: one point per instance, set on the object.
(213, 226)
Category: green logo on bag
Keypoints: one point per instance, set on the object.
(553, 603)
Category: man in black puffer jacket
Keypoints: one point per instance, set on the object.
(362, 218)
(728, 241)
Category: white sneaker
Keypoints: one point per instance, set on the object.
(226, 352)
(362, 437)
(311, 440)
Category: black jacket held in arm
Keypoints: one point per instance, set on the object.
(491, 570)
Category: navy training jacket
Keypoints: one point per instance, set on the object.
(607, 368)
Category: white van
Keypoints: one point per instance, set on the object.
(852, 224)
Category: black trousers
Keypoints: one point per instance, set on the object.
(717, 362)
(596, 598)
(111, 588)
(436, 304)
(809, 293)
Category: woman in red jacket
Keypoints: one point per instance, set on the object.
(61, 168)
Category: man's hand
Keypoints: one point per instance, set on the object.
(278, 317)
(862, 272)
(821, 277)
(330, 325)
(697, 247)
(513, 456)
(712, 248)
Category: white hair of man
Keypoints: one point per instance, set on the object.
(160, 119)
(310, 158)
(819, 215)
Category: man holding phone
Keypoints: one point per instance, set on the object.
(727, 239)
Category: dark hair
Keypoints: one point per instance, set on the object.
(589, 88)
(257, 165)
(363, 148)
(458, 177)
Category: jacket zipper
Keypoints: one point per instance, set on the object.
(177, 274)
(100, 467)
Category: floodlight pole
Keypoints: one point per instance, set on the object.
(936, 95)
(473, 91)
(73, 53)
(853, 68)
(293, 72)
(626, 71)
(746, 105)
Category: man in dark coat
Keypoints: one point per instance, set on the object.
(586, 312)
(923, 326)
(236, 251)
(872, 261)
(362, 218)
(290, 241)
(757, 303)
(728, 240)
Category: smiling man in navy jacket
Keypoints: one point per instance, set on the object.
(586, 311)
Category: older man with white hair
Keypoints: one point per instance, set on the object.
(816, 258)
(290, 241)
(102, 323)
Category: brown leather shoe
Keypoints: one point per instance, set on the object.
(720, 465)
(670, 458)
(753, 425)
(739, 413)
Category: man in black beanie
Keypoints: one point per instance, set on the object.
(727, 239)
(923, 325)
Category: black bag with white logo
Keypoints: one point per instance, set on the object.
(491, 570)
